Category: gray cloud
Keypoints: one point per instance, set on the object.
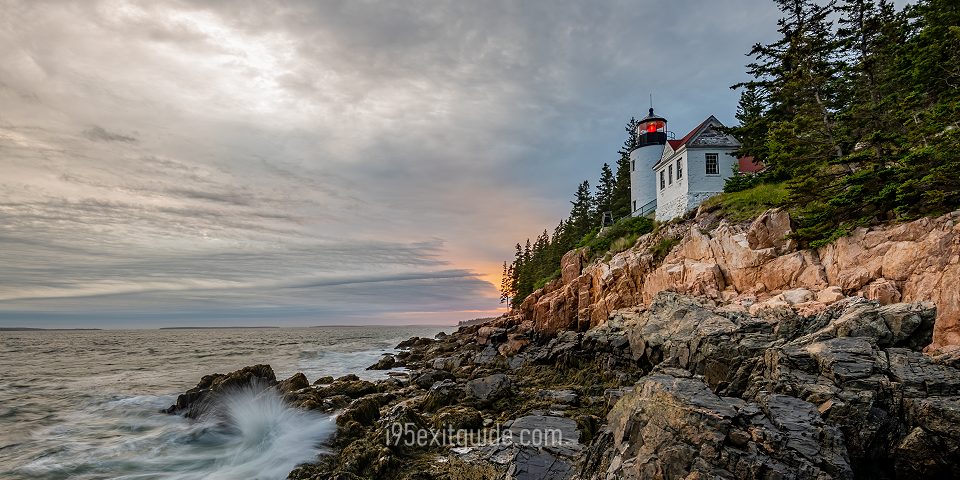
(313, 161)
(99, 134)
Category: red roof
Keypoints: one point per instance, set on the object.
(750, 165)
(676, 144)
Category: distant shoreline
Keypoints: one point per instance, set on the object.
(209, 328)
(34, 329)
(232, 327)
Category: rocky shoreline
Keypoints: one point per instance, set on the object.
(684, 388)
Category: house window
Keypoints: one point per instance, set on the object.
(633, 165)
(670, 174)
(713, 165)
(679, 170)
(663, 183)
(634, 205)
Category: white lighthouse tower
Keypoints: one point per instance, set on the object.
(651, 137)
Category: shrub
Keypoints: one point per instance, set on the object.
(600, 243)
(745, 205)
(623, 243)
(663, 247)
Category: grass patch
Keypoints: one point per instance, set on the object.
(544, 281)
(619, 237)
(745, 205)
(663, 247)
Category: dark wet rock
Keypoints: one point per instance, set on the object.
(447, 363)
(414, 342)
(324, 380)
(490, 387)
(487, 335)
(531, 463)
(532, 447)
(193, 402)
(441, 394)
(350, 377)
(365, 411)
(426, 378)
(407, 344)
(458, 418)
(350, 388)
(338, 401)
(567, 397)
(486, 356)
(296, 382)
(671, 427)
(385, 363)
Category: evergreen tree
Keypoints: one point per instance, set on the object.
(754, 123)
(928, 73)
(506, 282)
(605, 190)
(580, 222)
(620, 205)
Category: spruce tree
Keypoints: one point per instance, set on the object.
(581, 212)
(620, 205)
(605, 190)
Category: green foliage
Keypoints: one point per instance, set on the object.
(740, 181)
(746, 205)
(860, 120)
(621, 192)
(599, 243)
(663, 247)
(623, 243)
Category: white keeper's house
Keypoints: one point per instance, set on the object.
(670, 177)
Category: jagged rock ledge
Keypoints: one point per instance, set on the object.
(755, 266)
(682, 389)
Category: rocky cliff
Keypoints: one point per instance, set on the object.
(752, 267)
(680, 389)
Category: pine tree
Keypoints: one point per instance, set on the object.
(620, 204)
(928, 71)
(603, 200)
(754, 123)
(580, 222)
(506, 283)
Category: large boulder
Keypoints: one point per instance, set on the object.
(672, 426)
(196, 400)
(386, 362)
(772, 229)
(489, 388)
(296, 382)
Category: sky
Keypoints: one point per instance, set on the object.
(309, 163)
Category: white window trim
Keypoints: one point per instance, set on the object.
(705, 165)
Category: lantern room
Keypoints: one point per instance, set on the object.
(652, 130)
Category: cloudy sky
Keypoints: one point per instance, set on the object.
(333, 162)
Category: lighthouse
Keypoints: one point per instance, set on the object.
(651, 137)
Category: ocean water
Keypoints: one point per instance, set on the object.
(85, 404)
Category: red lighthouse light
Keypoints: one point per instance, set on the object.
(654, 126)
